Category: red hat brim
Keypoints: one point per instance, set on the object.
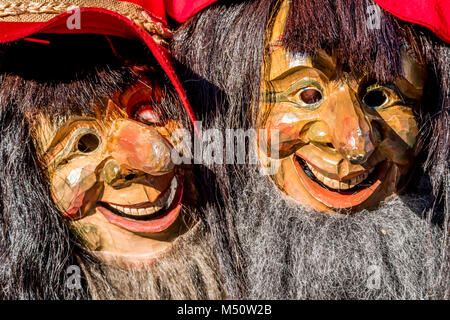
(433, 14)
(105, 22)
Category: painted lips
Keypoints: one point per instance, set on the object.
(340, 194)
(147, 217)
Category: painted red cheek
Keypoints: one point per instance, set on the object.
(75, 188)
(74, 210)
(288, 129)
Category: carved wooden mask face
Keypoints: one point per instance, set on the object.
(345, 141)
(112, 176)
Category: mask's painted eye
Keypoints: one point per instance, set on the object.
(88, 143)
(375, 98)
(146, 114)
(310, 95)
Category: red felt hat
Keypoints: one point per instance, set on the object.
(181, 10)
(143, 20)
(433, 14)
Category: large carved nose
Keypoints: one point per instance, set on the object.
(139, 147)
(349, 129)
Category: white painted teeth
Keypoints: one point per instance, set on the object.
(165, 200)
(137, 211)
(339, 185)
(173, 190)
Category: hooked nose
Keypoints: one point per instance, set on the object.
(140, 147)
(351, 132)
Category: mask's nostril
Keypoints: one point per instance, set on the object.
(130, 176)
(356, 159)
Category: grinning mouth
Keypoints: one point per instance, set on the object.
(147, 216)
(362, 180)
(146, 210)
(340, 194)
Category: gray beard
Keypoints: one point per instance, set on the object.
(296, 253)
(188, 271)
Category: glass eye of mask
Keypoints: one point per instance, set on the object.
(310, 95)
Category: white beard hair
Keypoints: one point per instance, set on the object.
(296, 253)
(187, 271)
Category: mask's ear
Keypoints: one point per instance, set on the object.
(114, 111)
(414, 77)
(42, 131)
(278, 24)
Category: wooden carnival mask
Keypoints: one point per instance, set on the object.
(345, 141)
(112, 175)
